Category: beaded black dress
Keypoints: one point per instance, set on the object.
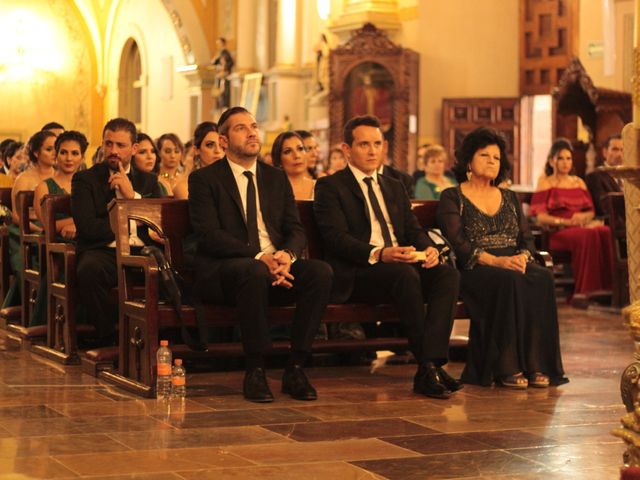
(514, 320)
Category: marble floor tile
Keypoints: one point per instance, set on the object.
(505, 439)
(27, 411)
(147, 461)
(239, 417)
(198, 437)
(316, 471)
(344, 430)
(487, 421)
(439, 443)
(319, 451)
(485, 464)
(68, 426)
(33, 467)
(57, 445)
(572, 458)
(406, 408)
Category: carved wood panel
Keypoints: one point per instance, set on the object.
(367, 46)
(462, 115)
(548, 41)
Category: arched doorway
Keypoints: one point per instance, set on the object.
(130, 83)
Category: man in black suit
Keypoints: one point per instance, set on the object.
(371, 239)
(407, 180)
(91, 192)
(600, 182)
(250, 241)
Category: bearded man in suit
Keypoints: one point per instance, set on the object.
(250, 243)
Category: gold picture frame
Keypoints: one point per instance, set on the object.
(251, 84)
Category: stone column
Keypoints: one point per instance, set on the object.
(630, 172)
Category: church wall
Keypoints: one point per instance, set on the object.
(467, 49)
(47, 68)
(165, 98)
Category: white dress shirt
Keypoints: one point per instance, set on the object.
(266, 246)
(376, 238)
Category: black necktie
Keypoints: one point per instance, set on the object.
(252, 212)
(386, 235)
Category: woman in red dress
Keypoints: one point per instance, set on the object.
(562, 201)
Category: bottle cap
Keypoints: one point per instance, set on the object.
(164, 343)
(178, 361)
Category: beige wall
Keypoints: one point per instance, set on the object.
(53, 78)
(468, 48)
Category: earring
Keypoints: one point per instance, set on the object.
(469, 174)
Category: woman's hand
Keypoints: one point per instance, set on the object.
(514, 262)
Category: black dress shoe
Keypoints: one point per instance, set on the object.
(255, 387)
(428, 382)
(296, 384)
(448, 381)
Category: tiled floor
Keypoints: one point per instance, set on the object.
(58, 423)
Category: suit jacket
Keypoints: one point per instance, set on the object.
(407, 180)
(599, 184)
(218, 219)
(342, 215)
(90, 196)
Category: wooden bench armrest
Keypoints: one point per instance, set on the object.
(544, 259)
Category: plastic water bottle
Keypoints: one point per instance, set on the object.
(163, 382)
(178, 380)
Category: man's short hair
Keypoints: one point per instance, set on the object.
(304, 134)
(223, 121)
(52, 126)
(116, 124)
(607, 142)
(72, 136)
(355, 122)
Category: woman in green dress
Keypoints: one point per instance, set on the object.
(435, 178)
(70, 148)
(42, 156)
(146, 159)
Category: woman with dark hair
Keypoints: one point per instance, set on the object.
(288, 153)
(513, 339)
(14, 158)
(206, 150)
(42, 155)
(146, 159)
(562, 202)
(171, 151)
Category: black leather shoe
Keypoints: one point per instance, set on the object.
(428, 382)
(448, 381)
(255, 387)
(296, 384)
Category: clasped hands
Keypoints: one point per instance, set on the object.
(407, 255)
(279, 264)
(119, 181)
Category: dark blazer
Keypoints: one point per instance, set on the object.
(343, 219)
(90, 196)
(599, 184)
(217, 216)
(407, 180)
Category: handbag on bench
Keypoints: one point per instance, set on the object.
(171, 288)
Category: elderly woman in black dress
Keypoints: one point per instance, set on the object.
(513, 340)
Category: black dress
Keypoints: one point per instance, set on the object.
(514, 320)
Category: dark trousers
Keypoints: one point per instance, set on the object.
(96, 277)
(246, 284)
(408, 287)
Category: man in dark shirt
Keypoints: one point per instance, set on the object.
(371, 239)
(91, 192)
(250, 243)
(600, 182)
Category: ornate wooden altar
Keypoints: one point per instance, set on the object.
(372, 75)
(603, 112)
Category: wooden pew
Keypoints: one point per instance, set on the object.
(62, 331)
(32, 248)
(143, 317)
(9, 314)
(613, 205)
